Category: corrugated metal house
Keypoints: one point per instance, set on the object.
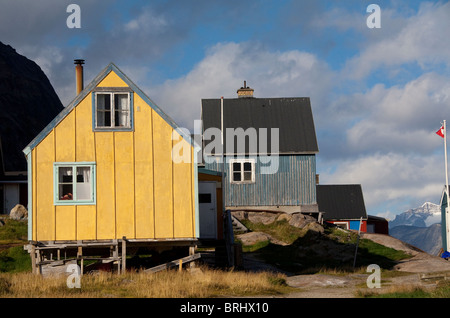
(102, 172)
(274, 169)
(343, 205)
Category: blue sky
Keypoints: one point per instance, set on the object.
(378, 95)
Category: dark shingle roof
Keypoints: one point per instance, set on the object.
(341, 201)
(292, 116)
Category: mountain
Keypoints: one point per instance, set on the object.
(420, 227)
(427, 239)
(28, 103)
(423, 216)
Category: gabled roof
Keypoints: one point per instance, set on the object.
(341, 202)
(292, 116)
(87, 90)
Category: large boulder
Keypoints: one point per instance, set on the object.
(19, 212)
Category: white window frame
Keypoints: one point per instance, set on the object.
(112, 111)
(241, 162)
(57, 196)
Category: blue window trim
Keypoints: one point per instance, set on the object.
(112, 90)
(74, 165)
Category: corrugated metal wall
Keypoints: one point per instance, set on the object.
(293, 184)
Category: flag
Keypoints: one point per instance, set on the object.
(440, 132)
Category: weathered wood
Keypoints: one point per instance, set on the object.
(33, 259)
(124, 254)
(174, 263)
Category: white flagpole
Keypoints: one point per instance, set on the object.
(447, 227)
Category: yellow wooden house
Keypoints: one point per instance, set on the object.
(103, 170)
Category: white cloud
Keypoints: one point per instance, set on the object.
(423, 39)
(402, 118)
(391, 177)
(227, 65)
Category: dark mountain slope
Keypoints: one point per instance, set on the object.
(28, 103)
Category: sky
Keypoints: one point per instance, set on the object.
(378, 95)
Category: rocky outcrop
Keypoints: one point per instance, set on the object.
(28, 103)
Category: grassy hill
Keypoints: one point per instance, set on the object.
(314, 248)
(13, 236)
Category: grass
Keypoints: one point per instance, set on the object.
(13, 258)
(280, 230)
(304, 254)
(13, 232)
(201, 283)
(442, 290)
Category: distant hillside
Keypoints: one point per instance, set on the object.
(28, 103)
(427, 239)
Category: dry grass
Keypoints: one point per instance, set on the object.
(202, 283)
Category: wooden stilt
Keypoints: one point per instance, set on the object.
(124, 254)
(33, 259)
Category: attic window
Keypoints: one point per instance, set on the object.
(242, 170)
(113, 110)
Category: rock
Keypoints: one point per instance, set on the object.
(19, 212)
(253, 238)
(300, 220)
(256, 217)
(315, 227)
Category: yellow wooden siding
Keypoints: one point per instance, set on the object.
(140, 192)
(106, 196)
(143, 158)
(85, 152)
(182, 204)
(162, 156)
(45, 210)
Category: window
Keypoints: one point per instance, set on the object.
(242, 170)
(74, 183)
(113, 110)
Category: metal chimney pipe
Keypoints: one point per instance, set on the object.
(79, 74)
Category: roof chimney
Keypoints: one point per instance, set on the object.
(79, 74)
(245, 92)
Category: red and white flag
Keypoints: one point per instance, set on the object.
(440, 132)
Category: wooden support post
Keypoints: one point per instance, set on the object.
(80, 255)
(192, 252)
(124, 254)
(33, 259)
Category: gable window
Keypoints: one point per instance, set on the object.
(242, 170)
(74, 183)
(113, 110)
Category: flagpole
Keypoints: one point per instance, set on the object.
(447, 227)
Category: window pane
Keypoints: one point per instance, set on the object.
(236, 176)
(103, 102)
(65, 192)
(247, 166)
(247, 176)
(103, 110)
(121, 102)
(65, 174)
(83, 183)
(236, 166)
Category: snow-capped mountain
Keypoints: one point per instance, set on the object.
(423, 216)
(420, 227)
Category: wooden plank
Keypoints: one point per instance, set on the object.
(174, 263)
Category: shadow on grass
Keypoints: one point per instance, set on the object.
(315, 252)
